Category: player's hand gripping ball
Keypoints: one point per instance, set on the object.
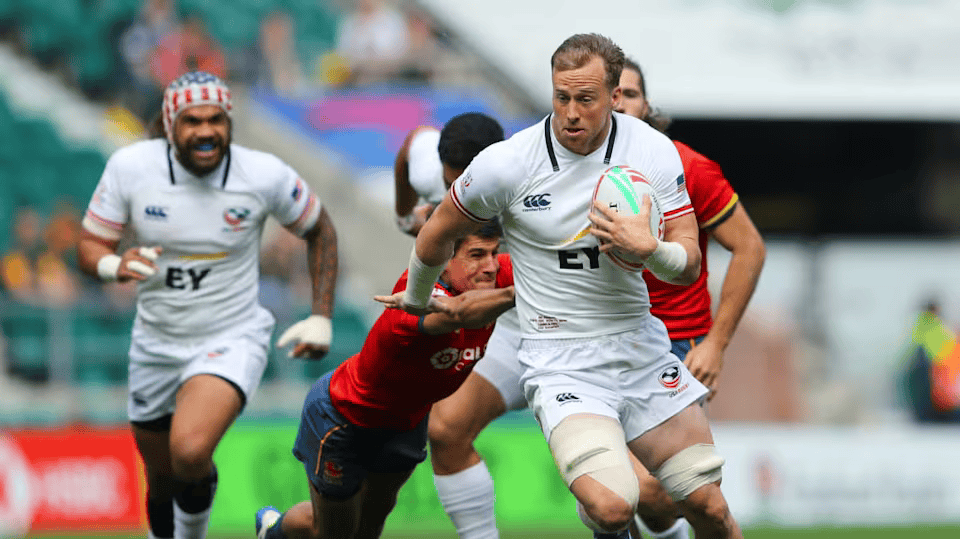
(622, 189)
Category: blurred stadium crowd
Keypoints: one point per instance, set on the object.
(125, 51)
(60, 325)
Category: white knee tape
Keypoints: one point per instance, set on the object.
(594, 445)
(690, 469)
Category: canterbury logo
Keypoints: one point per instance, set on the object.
(536, 201)
(155, 212)
(567, 397)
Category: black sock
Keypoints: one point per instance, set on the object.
(160, 516)
(195, 496)
(276, 531)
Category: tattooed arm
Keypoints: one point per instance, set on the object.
(315, 333)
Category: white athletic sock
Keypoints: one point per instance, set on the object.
(679, 530)
(468, 499)
(190, 525)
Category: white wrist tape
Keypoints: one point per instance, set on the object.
(149, 253)
(407, 222)
(667, 261)
(135, 265)
(108, 266)
(141, 268)
(420, 281)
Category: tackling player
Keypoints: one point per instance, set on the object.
(364, 425)
(427, 163)
(197, 204)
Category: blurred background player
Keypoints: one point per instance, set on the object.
(430, 160)
(698, 337)
(196, 205)
(364, 425)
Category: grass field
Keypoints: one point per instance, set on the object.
(932, 532)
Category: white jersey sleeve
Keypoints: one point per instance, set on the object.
(424, 169)
(109, 208)
(292, 201)
(487, 186)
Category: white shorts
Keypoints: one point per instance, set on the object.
(160, 365)
(500, 365)
(640, 383)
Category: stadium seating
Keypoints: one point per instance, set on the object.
(85, 33)
(26, 330)
(96, 342)
(38, 168)
(7, 207)
(101, 345)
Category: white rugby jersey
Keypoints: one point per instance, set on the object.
(424, 167)
(209, 228)
(542, 193)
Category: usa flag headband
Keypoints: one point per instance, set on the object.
(191, 90)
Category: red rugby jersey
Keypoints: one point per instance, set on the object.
(685, 310)
(400, 371)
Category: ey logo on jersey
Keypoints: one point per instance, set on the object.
(536, 202)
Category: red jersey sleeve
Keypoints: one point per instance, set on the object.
(712, 195)
(505, 275)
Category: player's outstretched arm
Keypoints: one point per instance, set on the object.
(314, 334)
(472, 309)
(739, 236)
(430, 254)
(436, 304)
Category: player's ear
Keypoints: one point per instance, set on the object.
(616, 95)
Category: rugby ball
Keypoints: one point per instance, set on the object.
(621, 188)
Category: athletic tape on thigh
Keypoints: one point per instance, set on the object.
(690, 469)
(595, 445)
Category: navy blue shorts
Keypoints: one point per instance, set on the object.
(337, 455)
(680, 347)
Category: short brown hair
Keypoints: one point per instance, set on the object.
(488, 231)
(578, 49)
